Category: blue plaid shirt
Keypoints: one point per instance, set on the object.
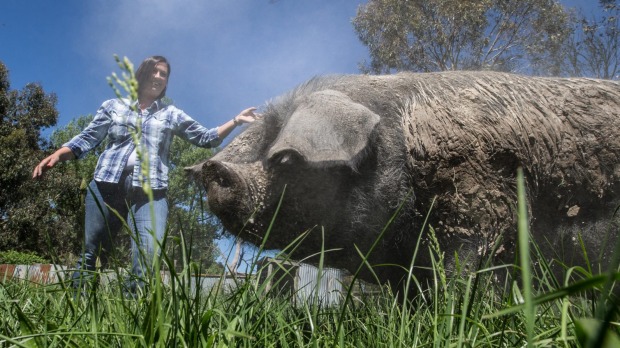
(116, 120)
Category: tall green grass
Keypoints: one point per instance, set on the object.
(470, 309)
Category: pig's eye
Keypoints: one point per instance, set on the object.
(285, 159)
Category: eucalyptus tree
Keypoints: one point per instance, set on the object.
(33, 215)
(594, 48)
(437, 35)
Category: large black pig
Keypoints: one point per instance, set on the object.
(345, 152)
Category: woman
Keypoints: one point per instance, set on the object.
(123, 168)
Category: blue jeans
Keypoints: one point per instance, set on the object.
(102, 226)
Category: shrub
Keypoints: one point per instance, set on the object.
(20, 258)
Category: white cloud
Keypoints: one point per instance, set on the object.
(226, 52)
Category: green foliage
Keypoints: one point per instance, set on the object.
(20, 258)
(531, 36)
(23, 115)
(33, 214)
(587, 330)
(188, 205)
(437, 35)
(127, 82)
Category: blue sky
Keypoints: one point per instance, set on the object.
(226, 55)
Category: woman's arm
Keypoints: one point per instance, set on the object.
(61, 155)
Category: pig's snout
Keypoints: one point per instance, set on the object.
(233, 191)
(225, 187)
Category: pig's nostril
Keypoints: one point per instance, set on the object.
(223, 181)
(218, 173)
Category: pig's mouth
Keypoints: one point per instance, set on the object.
(234, 197)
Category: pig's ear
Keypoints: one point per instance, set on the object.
(327, 128)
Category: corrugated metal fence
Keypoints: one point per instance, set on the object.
(39, 274)
(49, 273)
(324, 286)
(301, 282)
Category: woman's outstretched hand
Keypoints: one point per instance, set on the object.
(247, 116)
(61, 155)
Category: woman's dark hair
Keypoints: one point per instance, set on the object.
(143, 74)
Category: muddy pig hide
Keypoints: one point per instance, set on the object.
(345, 153)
